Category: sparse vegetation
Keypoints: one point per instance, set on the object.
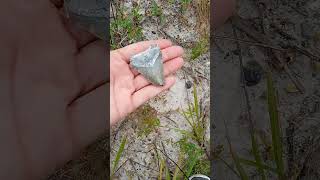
(156, 11)
(148, 120)
(185, 4)
(193, 158)
(200, 48)
(276, 137)
(193, 143)
(275, 128)
(118, 156)
(125, 26)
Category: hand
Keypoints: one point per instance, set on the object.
(53, 89)
(129, 89)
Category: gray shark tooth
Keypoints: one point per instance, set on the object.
(90, 15)
(149, 63)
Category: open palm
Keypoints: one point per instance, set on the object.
(53, 88)
(129, 89)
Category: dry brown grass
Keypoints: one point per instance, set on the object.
(202, 8)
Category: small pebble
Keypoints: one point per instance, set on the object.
(252, 73)
(188, 84)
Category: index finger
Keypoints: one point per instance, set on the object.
(128, 51)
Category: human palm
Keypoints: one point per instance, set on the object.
(128, 88)
(55, 85)
(53, 89)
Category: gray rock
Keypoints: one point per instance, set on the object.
(188, 84)
(90, 15)
(149, 63)
(252, 73)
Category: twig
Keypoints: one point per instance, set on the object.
(171, 120)
(112, 9)
(218, 46)
(121, 165)
(134, 168)
(164, 150)
(306, 52)
(200, 74)
(174, 163)
(229, 143)
(229, 166)
(120, 43)
(166, 35)
(299, 11)
(250, 43)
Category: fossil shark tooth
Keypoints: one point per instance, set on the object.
(149, 63)
(90, 15)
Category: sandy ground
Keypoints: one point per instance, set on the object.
(139, 156)
(284, 24)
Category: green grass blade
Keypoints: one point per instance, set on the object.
(255, 164)
(118, 155)
(167, 174)
(228, 166)
(275, 127)
(161, 169)
(196, 103)
(240, 169)
(176, 174)
(257, 156)
(242, 173)
(187, 118)
(191, 163)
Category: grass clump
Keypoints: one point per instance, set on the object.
(163, 169)
(275, 127)
(192, 145)
(199, 48)
(125, 27)
(156, 11)
(185, 4)
(277, 149)
(257, 155)
(193, 157)
(194, 116)
(190, 161)
(148, 120)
